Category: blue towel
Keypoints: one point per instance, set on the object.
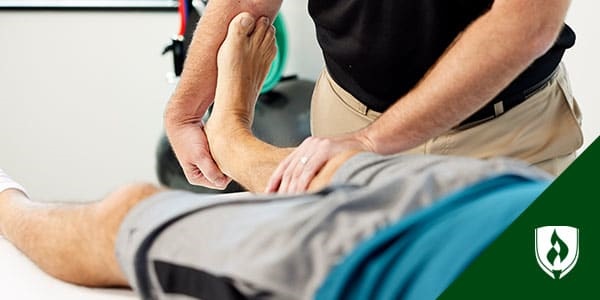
(421, 255)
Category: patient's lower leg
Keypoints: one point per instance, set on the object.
(72, 242)
(243, 62)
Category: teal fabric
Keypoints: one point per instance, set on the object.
(421, 255)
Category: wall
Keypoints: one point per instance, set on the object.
(82, 93)
(81, 99)
(306, 57)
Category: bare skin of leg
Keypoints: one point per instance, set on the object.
(76, 242)
(244, 60)
(72, 242)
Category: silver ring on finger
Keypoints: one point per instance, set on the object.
(303, 160)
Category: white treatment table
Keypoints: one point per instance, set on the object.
(21, 279)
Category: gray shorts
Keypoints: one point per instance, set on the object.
(282, 247)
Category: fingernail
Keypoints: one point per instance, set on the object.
(266, 20)
(246, 21)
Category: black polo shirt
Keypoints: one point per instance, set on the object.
(379, 49)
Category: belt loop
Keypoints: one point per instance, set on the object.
(346, 97)
(361, 107)
(499, 108)
(372, 114)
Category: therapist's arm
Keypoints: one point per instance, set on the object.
(196, 89)
(483, 60)
(491, 53)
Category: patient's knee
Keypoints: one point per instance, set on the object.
(128, 196)
(107, 216)
(112, 210)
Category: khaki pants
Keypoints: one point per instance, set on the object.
(544, 130)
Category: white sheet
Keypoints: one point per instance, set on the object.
(21, 279)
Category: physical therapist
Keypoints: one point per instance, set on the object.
(477, 78)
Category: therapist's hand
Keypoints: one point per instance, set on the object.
(190, 145)
(295, 173)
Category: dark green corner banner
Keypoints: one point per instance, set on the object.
(552, 251)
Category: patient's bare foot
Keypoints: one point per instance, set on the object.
(243, 62)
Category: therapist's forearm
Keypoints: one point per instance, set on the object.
(196, 89)
(489, 54)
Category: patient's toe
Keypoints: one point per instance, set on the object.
(242, 25)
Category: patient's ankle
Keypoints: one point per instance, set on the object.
(224, 132)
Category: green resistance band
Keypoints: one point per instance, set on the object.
(276, 71)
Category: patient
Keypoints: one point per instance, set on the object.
(75, 243)
(354, 196)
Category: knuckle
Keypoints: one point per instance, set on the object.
(305, 179)
(191, 172)
(318, 142)
(203, 154)
(196, 180)
(289, 178)
(288, 174)
(305, 142)
(309, 174)
(297, 173)
(206, 164)
(326, 143)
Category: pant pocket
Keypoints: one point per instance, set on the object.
(573, 112)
